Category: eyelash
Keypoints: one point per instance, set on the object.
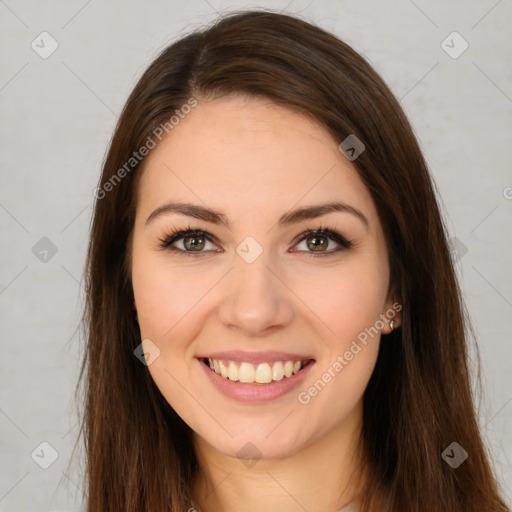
(167, 241)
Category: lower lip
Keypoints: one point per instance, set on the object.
(256, 393)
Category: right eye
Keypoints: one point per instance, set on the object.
(193, 241)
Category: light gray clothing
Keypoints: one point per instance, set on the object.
(349, 508)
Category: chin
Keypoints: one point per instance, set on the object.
(252, 444)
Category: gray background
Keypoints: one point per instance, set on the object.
(57, 116)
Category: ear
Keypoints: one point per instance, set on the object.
(391, 315)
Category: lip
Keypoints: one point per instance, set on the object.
(239, 356)
(255, 393)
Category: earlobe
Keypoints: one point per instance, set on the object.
(394, 323)
(393, 316)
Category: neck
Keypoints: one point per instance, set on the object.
(318, 477)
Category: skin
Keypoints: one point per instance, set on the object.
(244, 155)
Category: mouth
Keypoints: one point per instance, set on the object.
(261, 373)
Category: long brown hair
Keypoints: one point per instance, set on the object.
(139, 455)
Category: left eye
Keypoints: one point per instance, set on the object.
(317, 240)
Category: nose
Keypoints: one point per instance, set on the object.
(255, 299)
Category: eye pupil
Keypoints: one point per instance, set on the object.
(316, 244)
(194, 244)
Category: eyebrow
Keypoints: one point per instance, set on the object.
(287, 219)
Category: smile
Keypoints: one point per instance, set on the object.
(261, 373)
(256, 377)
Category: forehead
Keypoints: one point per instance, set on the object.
(250, 155)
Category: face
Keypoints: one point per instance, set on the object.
(290, 321)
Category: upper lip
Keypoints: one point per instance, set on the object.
(240, 356)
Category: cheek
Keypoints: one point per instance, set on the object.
(349, 307)
(164, 295)
(348, 298)
(165, 299)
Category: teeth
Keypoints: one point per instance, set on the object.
(263, 373)
(223, 369)
(248, 373)
(277, 371)
(232, 371)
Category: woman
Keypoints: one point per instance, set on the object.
(273, 317)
